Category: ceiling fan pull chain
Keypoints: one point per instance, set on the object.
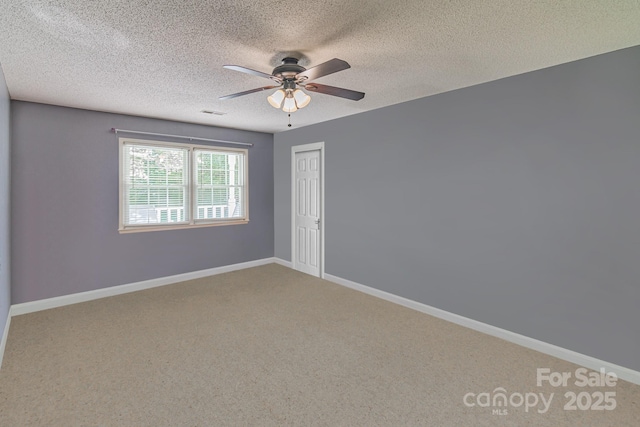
(289, 120)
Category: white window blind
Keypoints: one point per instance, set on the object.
(219, 184)
(158, 189)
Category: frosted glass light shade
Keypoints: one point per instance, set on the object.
(289, 105)
(276, 99)
(302, 99)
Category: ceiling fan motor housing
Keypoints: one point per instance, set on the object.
(288, 70)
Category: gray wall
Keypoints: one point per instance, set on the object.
(5, 283)
(65, 206)
(515, 202)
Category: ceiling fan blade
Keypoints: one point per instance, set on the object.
(247, 92)
(248, 71)
(335, 91)
(332, 66)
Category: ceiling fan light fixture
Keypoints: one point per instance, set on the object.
(276, 98)
(302, 99)
(291, 78)
(289, 104)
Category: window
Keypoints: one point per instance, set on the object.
(167, 185)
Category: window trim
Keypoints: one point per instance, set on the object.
(191, 170)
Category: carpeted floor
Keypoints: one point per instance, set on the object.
(270, 346)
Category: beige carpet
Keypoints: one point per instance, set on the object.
(274, 347)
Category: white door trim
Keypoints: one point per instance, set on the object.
(298, 149)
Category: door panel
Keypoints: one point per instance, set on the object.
(314, 197)
(313, 243)
(302, 245)
(302, 196)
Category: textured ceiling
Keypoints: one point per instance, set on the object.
(164, 58)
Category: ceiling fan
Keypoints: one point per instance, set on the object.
(291, 77)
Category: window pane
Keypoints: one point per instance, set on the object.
(219, 186)
(156, 187)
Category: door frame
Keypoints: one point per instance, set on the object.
(299, 149)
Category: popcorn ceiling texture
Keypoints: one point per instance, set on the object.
(164, 58)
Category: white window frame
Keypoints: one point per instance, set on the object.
(191, 171)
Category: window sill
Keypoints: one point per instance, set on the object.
(145, 228)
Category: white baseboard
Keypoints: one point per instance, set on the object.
(45, 304)
(541, 346)
(5, 335)
(283, 262)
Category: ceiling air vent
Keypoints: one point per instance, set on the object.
(215, 113)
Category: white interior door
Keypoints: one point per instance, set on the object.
(307, 237)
